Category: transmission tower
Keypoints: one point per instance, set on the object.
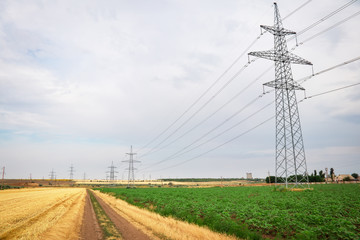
(131, 175)
(71, 172)
(112, 172)
(52, 175)
(290, 163)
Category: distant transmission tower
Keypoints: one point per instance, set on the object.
(52, 175)
(131, 161)
(112, 171)
(290, 164)
(71, 172)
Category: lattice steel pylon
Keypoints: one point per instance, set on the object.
(131, 175)
(71, 172)
(290, 162)
(112, 172)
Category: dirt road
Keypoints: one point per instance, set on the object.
(91, 230)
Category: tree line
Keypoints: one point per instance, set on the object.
(314, 177)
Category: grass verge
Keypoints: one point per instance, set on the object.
(107, 226)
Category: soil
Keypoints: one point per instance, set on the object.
(90, 229)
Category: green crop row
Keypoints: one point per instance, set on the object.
(328, 212)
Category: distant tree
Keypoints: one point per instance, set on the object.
(332, 173)
(314, 177)
(346, 179)
(355, 175)
(271, 180)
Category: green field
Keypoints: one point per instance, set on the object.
(330, 211)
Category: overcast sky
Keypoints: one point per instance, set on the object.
(82, 81)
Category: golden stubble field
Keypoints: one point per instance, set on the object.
(58, 213)
(41, 213)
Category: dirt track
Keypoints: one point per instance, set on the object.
(91, 230)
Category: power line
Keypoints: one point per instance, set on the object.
(182, 152)
(320, 21)
(216, 111)
(177, 154)
(311, 26)
(206, 91)
(330, 91)
(299, 33)
(211, 86)
(220, 145)
(331, 27)
(302, 80)
(219, 134)
(201, 108)
(297, 9)
(327, 17)
(271, 66)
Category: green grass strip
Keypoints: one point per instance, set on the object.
(108, 228)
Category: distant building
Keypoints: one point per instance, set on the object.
(249, 176)
(342, 176)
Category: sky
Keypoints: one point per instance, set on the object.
(83, 81)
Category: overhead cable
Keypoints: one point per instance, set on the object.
(201, 108)
(182, 151)
(308, 39)
(216, 81)
(219, 146)
(331, 27)
(297, 9)
(302, 80)
(326, 17)
(330, 91)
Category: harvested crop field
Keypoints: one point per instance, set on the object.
(74, 213)
(41, 213)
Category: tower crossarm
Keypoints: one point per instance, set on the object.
(134, 161)
(280, 57)
(290, 85)
(275, 31)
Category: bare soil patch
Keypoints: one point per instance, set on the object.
(126, 229)
(90, 229)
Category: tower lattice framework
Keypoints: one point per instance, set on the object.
(290, 161)
(131, 175)
(112, 172)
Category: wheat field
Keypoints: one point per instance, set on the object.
(41, 213)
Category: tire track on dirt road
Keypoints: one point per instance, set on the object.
(90, 228)
(125, 228)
